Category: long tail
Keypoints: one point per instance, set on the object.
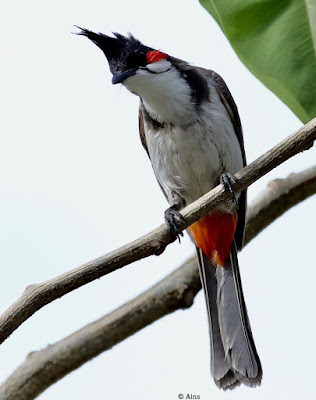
(234, 358)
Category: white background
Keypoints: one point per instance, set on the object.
(75, 183)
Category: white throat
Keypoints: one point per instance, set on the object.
(166, 95)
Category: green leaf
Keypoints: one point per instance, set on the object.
(276, 40)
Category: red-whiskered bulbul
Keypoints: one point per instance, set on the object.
(190, 128)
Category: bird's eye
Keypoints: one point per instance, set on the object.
(137, 59)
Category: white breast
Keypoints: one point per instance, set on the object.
(189, 159)
(196, 144)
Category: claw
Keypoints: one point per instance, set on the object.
(170, 217)
(227, 180)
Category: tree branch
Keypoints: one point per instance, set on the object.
(38, 295)
(177, 291)
(279, 196)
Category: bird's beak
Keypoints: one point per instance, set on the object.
(120, 77)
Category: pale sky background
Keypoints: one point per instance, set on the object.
(75, 183)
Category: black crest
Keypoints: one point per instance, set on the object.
(122, 52)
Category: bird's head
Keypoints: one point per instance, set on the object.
(127, 56)
(168, 87)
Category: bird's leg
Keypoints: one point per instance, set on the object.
(227, 180)
(171, 215)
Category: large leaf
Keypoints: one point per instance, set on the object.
(276, 40)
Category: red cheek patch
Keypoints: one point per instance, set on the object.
(155, 55)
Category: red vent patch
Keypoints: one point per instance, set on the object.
(155, 55)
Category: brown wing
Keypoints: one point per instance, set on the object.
(142, 128)
(229, 103)
(141, 116)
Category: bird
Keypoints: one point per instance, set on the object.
(191, 130)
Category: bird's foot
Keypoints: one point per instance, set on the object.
(171, 214)
(227, 180)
